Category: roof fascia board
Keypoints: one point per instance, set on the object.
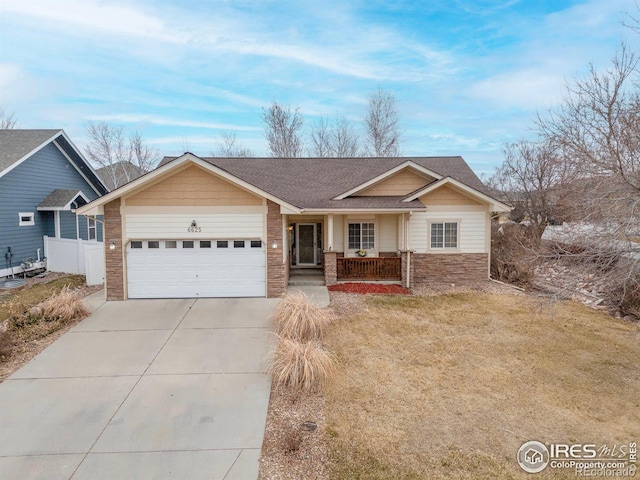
(363, 210)
(89, 182)
(387, 174)
(87, 163)
(32, 152)
(498, 206)
(167, 167)
(67, 206)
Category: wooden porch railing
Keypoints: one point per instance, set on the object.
(369, 268)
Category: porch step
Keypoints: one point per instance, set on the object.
(306, 280)
(302, 272)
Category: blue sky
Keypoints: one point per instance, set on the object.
(468, 76)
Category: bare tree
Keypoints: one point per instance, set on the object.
(228, 146)
(598, 123)
(7, 119)
(185, 145)
(123, 158)
(382, 125)
(533, 179)
(321, 139)
(597, 128)
(334, 139)
(283, 131)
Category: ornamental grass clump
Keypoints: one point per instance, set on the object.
(302, 365)
(62, 307)
(6, 342)
(295, 317)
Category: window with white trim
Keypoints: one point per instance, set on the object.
(444, 235)
(361, 236)
(26, 219)
(91, 225)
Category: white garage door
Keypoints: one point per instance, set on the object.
(196, 268)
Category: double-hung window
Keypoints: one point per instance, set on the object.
(361, 236)
(91, 225)
(444, 235)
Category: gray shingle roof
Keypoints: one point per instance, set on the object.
(58, 199)
(314, 182)
(15, 144)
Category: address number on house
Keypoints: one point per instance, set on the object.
(194, 229)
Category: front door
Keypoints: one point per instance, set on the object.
(306, 242)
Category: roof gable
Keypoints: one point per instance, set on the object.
(401, 183)
(63, 199)
(387, 175)
(455, 190)
(168, 168)
(192, 185)
(17, 146)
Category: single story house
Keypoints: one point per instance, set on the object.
(43, 180)
(224, 227)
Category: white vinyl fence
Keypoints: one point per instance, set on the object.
(76, 256)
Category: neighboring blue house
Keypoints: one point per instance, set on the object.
(43, 179)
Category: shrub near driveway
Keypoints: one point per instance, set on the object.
(450, 386)
(300, 361)
(35, 316)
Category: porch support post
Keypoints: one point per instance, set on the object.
(330, 232)
(330, 268)
(56, 224)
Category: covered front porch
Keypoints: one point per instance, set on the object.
(353, 246)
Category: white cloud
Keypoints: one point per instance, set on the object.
(526, 89)
(9, 75)
(108, 17)
(158, 120)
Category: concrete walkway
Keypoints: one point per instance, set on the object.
(317, 294)
(144, 389)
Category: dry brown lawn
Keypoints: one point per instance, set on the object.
(450, 386)
(31, 338)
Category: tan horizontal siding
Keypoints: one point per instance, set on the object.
(212, 226)
(471, 231)
(402, 183)
(447, 196)
(190, 187)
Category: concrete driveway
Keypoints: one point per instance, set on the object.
(143, 389)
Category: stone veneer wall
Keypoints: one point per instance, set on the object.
(276, 268)
(458, 268)
(330, 268)
(114, 265)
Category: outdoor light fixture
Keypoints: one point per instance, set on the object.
(112, 245)
(193, 223)
(290, 228)
(274, 245)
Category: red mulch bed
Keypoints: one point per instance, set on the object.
(363, 288)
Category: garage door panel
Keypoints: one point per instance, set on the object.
(195, 272)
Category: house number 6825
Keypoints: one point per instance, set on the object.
(194, 229)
